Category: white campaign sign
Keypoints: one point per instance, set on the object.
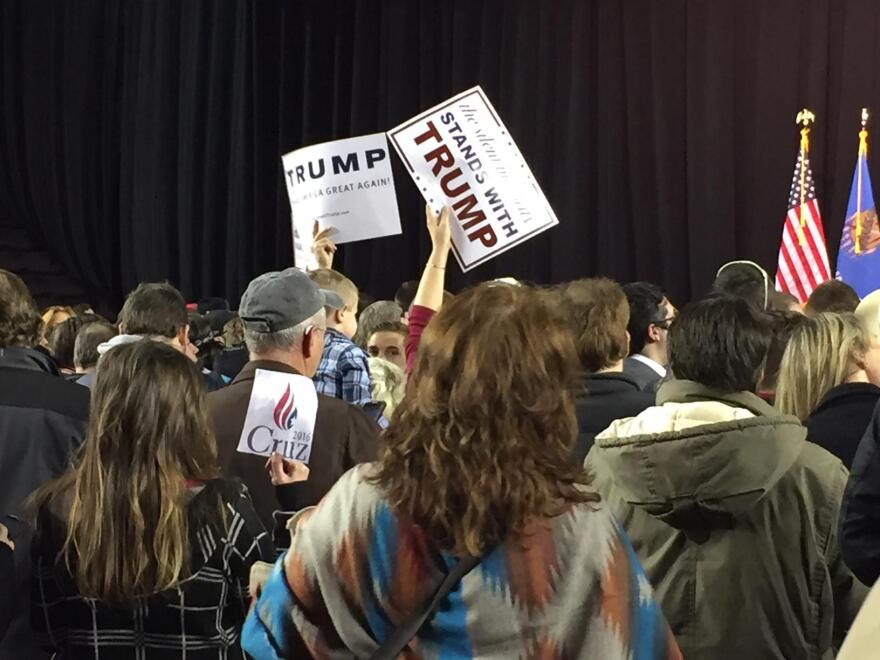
(280, 416)
(460, 154)
(302, 245)
(347, 185)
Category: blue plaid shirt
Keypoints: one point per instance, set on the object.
(343, 372)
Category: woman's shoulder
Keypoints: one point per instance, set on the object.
(214, 499)
(221, 514)
(587, 527)
(355, 490)
(354, 501)
(227, 489)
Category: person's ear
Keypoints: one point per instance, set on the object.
(310, 344)
(183, 336)
(307, 343)
(339, 315)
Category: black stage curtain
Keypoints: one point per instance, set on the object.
(141, 140)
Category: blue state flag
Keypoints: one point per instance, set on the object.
(858, 262)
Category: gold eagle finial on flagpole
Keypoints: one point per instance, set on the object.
(805, 117)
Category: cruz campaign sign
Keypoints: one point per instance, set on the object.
(280, 416)
(347, 185)
(461, 155)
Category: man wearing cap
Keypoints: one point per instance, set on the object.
(284, 324)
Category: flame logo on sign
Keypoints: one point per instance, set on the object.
(285, 411)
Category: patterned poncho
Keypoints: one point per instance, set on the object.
(570, 587)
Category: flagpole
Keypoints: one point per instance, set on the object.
(804, 118)
(863, 151)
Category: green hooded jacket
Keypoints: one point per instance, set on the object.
(734, 518)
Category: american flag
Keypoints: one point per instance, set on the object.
(803, 258)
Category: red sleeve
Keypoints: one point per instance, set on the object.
(418, 319)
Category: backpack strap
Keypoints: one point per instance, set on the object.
(397, 641)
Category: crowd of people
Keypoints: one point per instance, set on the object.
(569, 471)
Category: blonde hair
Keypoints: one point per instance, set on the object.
(388, 384)
(338, 284)
(55, 315)
(869, 312)
(823, 352)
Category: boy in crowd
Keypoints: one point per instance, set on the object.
(343, 372)
(157, 310)
(832, 296)
(85, 350)
(387, 341)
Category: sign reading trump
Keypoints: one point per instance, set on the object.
(460, 155)
(347, 185)
(280, 416)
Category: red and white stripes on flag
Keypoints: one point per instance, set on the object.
(803, 258)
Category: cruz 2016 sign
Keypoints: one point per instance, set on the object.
(460, 154)
(280, 417)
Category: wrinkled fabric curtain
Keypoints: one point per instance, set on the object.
(142, 140)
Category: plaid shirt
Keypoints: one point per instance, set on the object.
(199, 619)
(343, 372)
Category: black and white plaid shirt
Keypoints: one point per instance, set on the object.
(199, 619)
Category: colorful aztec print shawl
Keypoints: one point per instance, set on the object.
(571, 587)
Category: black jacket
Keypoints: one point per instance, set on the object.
(860, 514)
(602, 399)
(230, 361)
(840, 419)
(42, 423)
(7, 572)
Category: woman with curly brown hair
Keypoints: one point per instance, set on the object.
(475, 471)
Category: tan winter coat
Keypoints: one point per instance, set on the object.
(734, 517)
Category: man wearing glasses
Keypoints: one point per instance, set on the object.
(650, 314)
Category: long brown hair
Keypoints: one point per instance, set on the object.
(482, 444)
(126, 523)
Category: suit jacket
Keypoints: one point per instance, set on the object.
(344, 436)
(646, 378)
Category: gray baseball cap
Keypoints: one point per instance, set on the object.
(279, 300)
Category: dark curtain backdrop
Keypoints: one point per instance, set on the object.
(142, 140)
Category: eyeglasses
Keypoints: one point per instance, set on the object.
(664, 324)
